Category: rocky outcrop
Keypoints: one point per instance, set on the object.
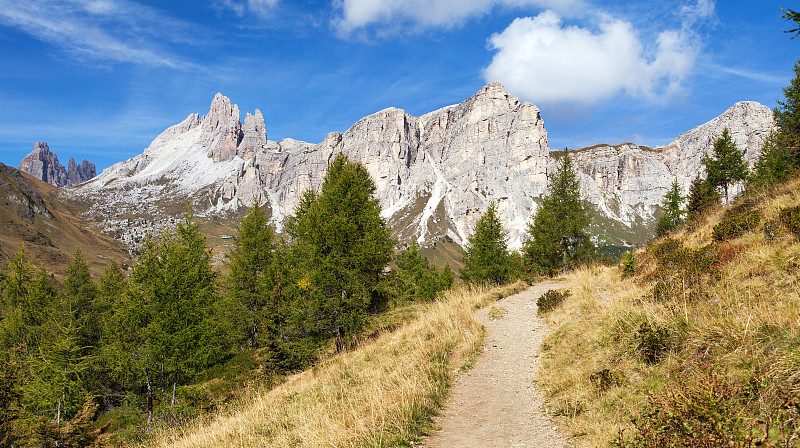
(43, 164)
(435, 174)
(78, 174)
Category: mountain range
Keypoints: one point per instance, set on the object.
(435, 174)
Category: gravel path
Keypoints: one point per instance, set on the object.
(495, 404)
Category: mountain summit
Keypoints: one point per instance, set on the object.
(43, 164)
(435, 174)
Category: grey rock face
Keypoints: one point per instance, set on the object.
(628, 182)
(78, 174)
(435, 174)
(44, 165)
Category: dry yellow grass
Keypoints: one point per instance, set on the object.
(376, 395)
(745, 328)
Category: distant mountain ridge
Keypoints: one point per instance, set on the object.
(31, 214)
(43, 164)
(435, 174)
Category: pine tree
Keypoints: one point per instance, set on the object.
(80, 291)
(175, 297)
(558, 230)
(725, 165)
(794, 16)
(250, 279)
(787, 119)
(487, 259)
(702, 197)
(773, 164)
(673, 211)
(340, 246)
(415, 279)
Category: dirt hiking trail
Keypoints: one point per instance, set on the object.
(495, 404)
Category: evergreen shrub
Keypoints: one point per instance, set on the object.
(735, 226)
(790, 218)
(550, 300)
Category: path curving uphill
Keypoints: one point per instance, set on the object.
(496, 404)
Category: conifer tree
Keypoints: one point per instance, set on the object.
(787, 119)
(340, 246)
(80, 291)
(414, 279)
(702, 197)
(673, 211)
(725, 165)
(487, 259)
(773, 164)
(794, 16)
(175, 293)
(250, 280)
(558, 230)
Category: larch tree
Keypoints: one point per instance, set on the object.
(725, 165)
(184, 328)
(487, 259)
(340, 247)
(558, 233)
(249, 280)
(673, 210)
(702, 197)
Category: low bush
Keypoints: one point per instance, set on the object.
(790, 218)
(653, 342)
(735, 226)
(628, 265)
(605, 379)
(550, 300)
(702, 411)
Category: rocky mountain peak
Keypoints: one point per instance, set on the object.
(78, 174)
(43, 164)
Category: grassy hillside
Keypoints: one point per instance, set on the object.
(31, 214)
(700, 347)
(380, 394)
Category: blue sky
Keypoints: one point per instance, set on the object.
(101, 78)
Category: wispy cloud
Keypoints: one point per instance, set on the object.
(261, 8)
(421, 14)
(103, 30)
(748, 74)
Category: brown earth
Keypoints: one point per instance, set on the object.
(496, 404)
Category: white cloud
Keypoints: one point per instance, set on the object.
(258, 7)
(106, 30)
(543, 60)
(357, 14)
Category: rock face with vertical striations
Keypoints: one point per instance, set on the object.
(435, 174)
(78, 174)
(43, 164)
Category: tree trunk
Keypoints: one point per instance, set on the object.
(163, 383)
(173, 400)
(339, 340)
(149, 397)
(58, 414)
(254, 336)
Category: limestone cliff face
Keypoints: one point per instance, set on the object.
(43, 164)
(435, 174)
(628, 182)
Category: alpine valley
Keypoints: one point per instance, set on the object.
(435, 174)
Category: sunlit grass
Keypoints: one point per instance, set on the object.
(381, 394)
